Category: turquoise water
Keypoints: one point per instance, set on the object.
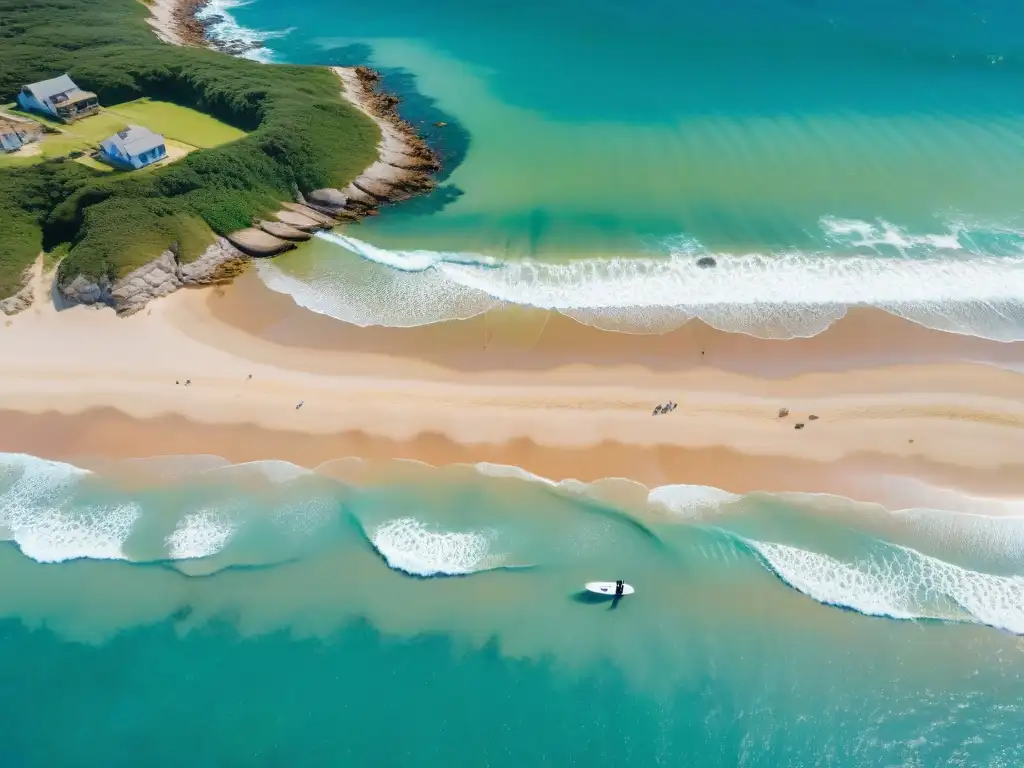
(826, 154)
(183, 610)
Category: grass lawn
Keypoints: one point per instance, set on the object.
(96, 165)
(84, 135)
(179, 123)
(185, 130)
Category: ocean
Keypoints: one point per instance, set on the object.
(186, 610)
(825, 153)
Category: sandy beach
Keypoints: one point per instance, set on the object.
(522, 388)
(243, 373)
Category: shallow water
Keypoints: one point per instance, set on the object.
(826, 154)
(434, 616)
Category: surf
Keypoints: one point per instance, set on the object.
(209, 516)
(968, 279)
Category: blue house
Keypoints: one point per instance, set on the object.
(134, 147)
(58, 97)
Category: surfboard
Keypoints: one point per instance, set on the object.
(606, 588)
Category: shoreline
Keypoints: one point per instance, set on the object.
(404, 168)
(435, 395)
(405, 162)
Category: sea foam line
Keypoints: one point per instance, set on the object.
(961, 281)
(406, 544)
(901, 583)
(223, 27)
(49, 523)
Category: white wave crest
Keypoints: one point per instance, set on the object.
(200, 534)
(689, 501)
(961, 281)
(40, 514)
(901, 583)
(407, 545)
(223, 27)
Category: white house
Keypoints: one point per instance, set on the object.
(58, 97)
(134, 147)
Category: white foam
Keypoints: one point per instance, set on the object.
(227, 29)
(488, 469)
(407, 545)
(960, 281)
(200, 534)
(378, 296)
(901, 583)
(96, 533)
(690, 501)
(406, 261)
(39, 512)
(881, 235)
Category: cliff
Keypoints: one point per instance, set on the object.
(165, 274)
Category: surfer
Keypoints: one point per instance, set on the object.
(620, 587)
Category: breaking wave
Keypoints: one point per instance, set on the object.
(967, 280)
(406, 544)
(949, 564)
(900, 583)
(222, 27)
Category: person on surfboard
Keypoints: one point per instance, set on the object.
(620, 586)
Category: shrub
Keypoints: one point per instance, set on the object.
(302, 134)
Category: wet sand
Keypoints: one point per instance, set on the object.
(521, 387)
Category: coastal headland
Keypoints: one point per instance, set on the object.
(319, 148)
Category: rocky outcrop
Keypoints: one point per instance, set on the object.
(405, 162)
(327, 199)
(305, 210)
(165, 274)
(256, 242)
(20, 301)
(284, 231)
(298, 221)
(706, 262)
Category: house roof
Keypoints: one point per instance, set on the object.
(134, 140)
(46, 89)
(72, 97)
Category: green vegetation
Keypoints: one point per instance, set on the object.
(299, 133)
(82, 136)
(179, 123)
(27, 195)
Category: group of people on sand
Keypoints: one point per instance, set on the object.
(666, 408)
(248, 378)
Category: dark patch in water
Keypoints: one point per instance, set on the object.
(597, 508)
(450, 141)
(592, 598)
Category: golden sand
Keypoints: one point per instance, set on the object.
(524, 388)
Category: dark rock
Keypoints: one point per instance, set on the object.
(799, 425)
(783, 413)
(706, 262)
(812, 417)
